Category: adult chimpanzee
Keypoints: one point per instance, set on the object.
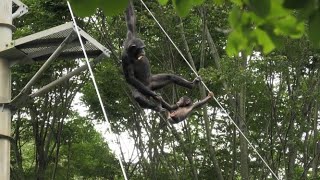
(137, 72)
(185, 108)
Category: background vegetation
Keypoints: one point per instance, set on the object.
(259, 58)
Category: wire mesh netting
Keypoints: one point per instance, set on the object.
(40, 46)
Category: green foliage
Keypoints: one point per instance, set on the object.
(314, 28)
(113, 93)
(42, 14)
(182, 6)
(87, 7)
(255, 23)
(261, 26)
(295, 4)
(85, 152)
(260, 7)
(212, 78)
(264, 40)
(281, 97)
(163, 2)
(219, 2)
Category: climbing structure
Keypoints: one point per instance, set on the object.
(57, 43)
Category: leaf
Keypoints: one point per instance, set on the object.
(111, 7)
(296, 4)
(237, 2)
(197, 2)
(219, 2)
(236, 42)
(182, 6)
(277, 10)
(256, 19)
(289, 26)
(314, 29)
(300, 30)
(163, 2)
(264, 40)
(234, 17)
(308, 10)
(260, 7)
(84, 8)
(277, 40)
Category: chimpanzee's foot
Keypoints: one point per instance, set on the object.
(197, 80)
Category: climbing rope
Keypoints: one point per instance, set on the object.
(223, 109)
(96, 87)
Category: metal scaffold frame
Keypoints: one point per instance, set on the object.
(57, 43)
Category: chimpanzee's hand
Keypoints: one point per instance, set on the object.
(210, 94)
(197, 80)
(158, 98)
(159, 108)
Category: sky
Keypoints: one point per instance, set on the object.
(126, 142)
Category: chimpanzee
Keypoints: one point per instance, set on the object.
(185, 108)
(137, 71)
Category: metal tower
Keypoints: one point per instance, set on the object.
(59, 42)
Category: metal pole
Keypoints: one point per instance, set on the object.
(5, 88)
(53, 56)
(63, 79)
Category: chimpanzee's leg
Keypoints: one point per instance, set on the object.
(159, 81)
(144, 102)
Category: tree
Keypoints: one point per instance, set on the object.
(272, 97)
(85, 153)
(254, 24)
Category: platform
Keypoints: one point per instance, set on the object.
(40, 46)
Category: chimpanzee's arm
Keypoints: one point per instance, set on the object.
(130, 18)
(168, 106)
(202, 102)
(132, 80)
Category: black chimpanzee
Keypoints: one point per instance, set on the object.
(137, 72)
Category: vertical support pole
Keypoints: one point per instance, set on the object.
(5, 88)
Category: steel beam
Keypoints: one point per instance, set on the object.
(61, 80)
(5, 89)
(43, 68)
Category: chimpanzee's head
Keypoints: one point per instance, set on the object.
(184, 101)
(136, 48)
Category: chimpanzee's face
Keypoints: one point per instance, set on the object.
(184, 101)
(136, 48)
(139, 53)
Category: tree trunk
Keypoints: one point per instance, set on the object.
(185, 43)
(291, 161)
(187, 152)
(17, 147)
(207, 122)
(242, 113)
(316, 144)
(58, 139)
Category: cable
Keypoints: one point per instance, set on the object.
(95, 85)
(223, 109)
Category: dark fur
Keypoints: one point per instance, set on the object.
(184, 101)
(137, 72)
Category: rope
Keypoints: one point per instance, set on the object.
(95, 85)
(223, 109)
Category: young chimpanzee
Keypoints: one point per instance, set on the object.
(185, 108)
(137, 72)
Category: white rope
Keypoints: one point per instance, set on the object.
(254, 149)
(96, 87)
